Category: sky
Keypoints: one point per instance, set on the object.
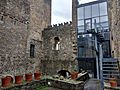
(62, 10)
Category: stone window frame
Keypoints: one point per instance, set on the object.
(54, 47)
(32, 50)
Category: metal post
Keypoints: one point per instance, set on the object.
(96, 47)
(97, 59)
(101, 69)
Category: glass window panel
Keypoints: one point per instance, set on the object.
(97, 20)
(87, 11)
(88, 24)
(103, 18)
(95, 10)
(80, 30)
(81, 27)
(80, 13)
(81, 22)
(104, 24)
(103, 8)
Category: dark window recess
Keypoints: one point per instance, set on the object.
(112, 37)
(1, 18)
(32, 50)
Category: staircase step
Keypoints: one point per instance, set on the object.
(110, 68)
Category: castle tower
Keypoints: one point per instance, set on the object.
(40, 17)
(74, 12)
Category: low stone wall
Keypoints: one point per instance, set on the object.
(26, 86)
(55, 83)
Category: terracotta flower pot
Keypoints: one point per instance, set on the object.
(6, 81)
(28, 77)
(113, 83)
(18, 79)
(74, 75)
(37, 75)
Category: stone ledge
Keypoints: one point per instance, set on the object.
(55, 83)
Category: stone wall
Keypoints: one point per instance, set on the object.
(64, 57)
(13, 36)
(114, 17)
(21, 24)
(40, 17)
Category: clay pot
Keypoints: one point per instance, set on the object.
(74, 75)
(28, 77)
(6, 81)
(113, 83)
(18, 79)
(37, 75)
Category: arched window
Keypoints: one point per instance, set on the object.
(56, 43)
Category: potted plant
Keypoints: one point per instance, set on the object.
(74, 73)
(29, 71)
(113, 82)
(28, 77)
(18, 76)
(37, 74)
(6, 80)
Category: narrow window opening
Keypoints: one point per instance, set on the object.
(1, 18)
(112, 38)
(32, 50)
(56, 43)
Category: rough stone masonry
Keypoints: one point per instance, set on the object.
(114, 17)
(25, 46)
(21, 24)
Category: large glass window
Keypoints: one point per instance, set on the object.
(87, 15)
(103, 18)
(87, 12)
(80, 12)
(95, 10)
(86, 46)
(103, 8)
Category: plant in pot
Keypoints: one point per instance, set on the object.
(29, 71)
(18, 75)
(74, 73)
(113, 82)
(37, 74)
(7, 79)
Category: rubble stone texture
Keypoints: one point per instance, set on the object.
(21, 23)
(65, 56)
(114, 17)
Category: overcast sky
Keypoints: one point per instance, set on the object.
(62, 10)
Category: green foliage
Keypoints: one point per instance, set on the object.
(42, 88)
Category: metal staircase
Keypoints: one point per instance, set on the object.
(110, 68)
